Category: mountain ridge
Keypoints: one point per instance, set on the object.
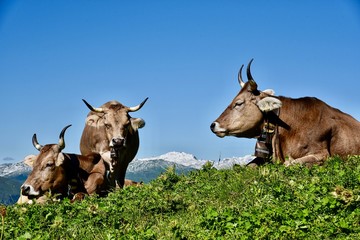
(10, 170)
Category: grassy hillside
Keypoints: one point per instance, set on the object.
(269, 202)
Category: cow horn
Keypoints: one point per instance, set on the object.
(136, 108)
(99, 110)
(61, 137)
(253, 84)
(35, 143)
(241, 82)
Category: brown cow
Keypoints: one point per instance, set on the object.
(304, 130)
(64, 174)
(112, 132)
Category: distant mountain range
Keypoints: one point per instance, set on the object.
(12, 175)
(147, 169)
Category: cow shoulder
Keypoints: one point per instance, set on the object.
(89, 161)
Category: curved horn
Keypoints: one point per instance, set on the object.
(35, 143)
(248, 72)
(253, 84)
(61, 138)
(99, 110)
(241, 82)
(136, 108)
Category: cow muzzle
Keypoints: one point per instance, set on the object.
(28, 190)
(116, 144)
(219, 131)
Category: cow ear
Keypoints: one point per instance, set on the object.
(92, 120)
(268, 104)
(60, 159)
(269, 92)
(137, 123)
(29, 160)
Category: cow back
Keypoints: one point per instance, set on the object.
(315, 128)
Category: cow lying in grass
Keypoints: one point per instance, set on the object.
(48, 198)
(295, 131)
(64, 174)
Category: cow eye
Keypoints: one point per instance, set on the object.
(49, 164)
(238, 104)
(107, 126)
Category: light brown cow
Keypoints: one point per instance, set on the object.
(112, 132)
(64, 174)
(306, 130)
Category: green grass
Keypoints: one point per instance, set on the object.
(268, 202)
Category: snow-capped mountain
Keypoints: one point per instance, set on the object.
(146, 169)
(189, 160)
(179, 158)
(228, 163)
(12, 175)
(12, 169)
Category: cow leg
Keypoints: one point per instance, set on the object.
(308, 160)
(24, 199)
(256, 162)
(78, 197)
(94, 183)
(121, 175)
(40, 200)
(44, 199)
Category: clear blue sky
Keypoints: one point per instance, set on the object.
(183, 55)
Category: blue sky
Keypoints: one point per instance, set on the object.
(183, 55)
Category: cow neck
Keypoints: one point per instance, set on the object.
(264, 148)
(71, 165)
(73, 171)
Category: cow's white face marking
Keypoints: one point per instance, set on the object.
(32, 191)
(220, 132)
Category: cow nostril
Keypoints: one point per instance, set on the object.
(25, 190)
(117, 141)
(212, 126)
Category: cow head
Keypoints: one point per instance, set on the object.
(245, 114)
(48, 173)
(115, 120)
